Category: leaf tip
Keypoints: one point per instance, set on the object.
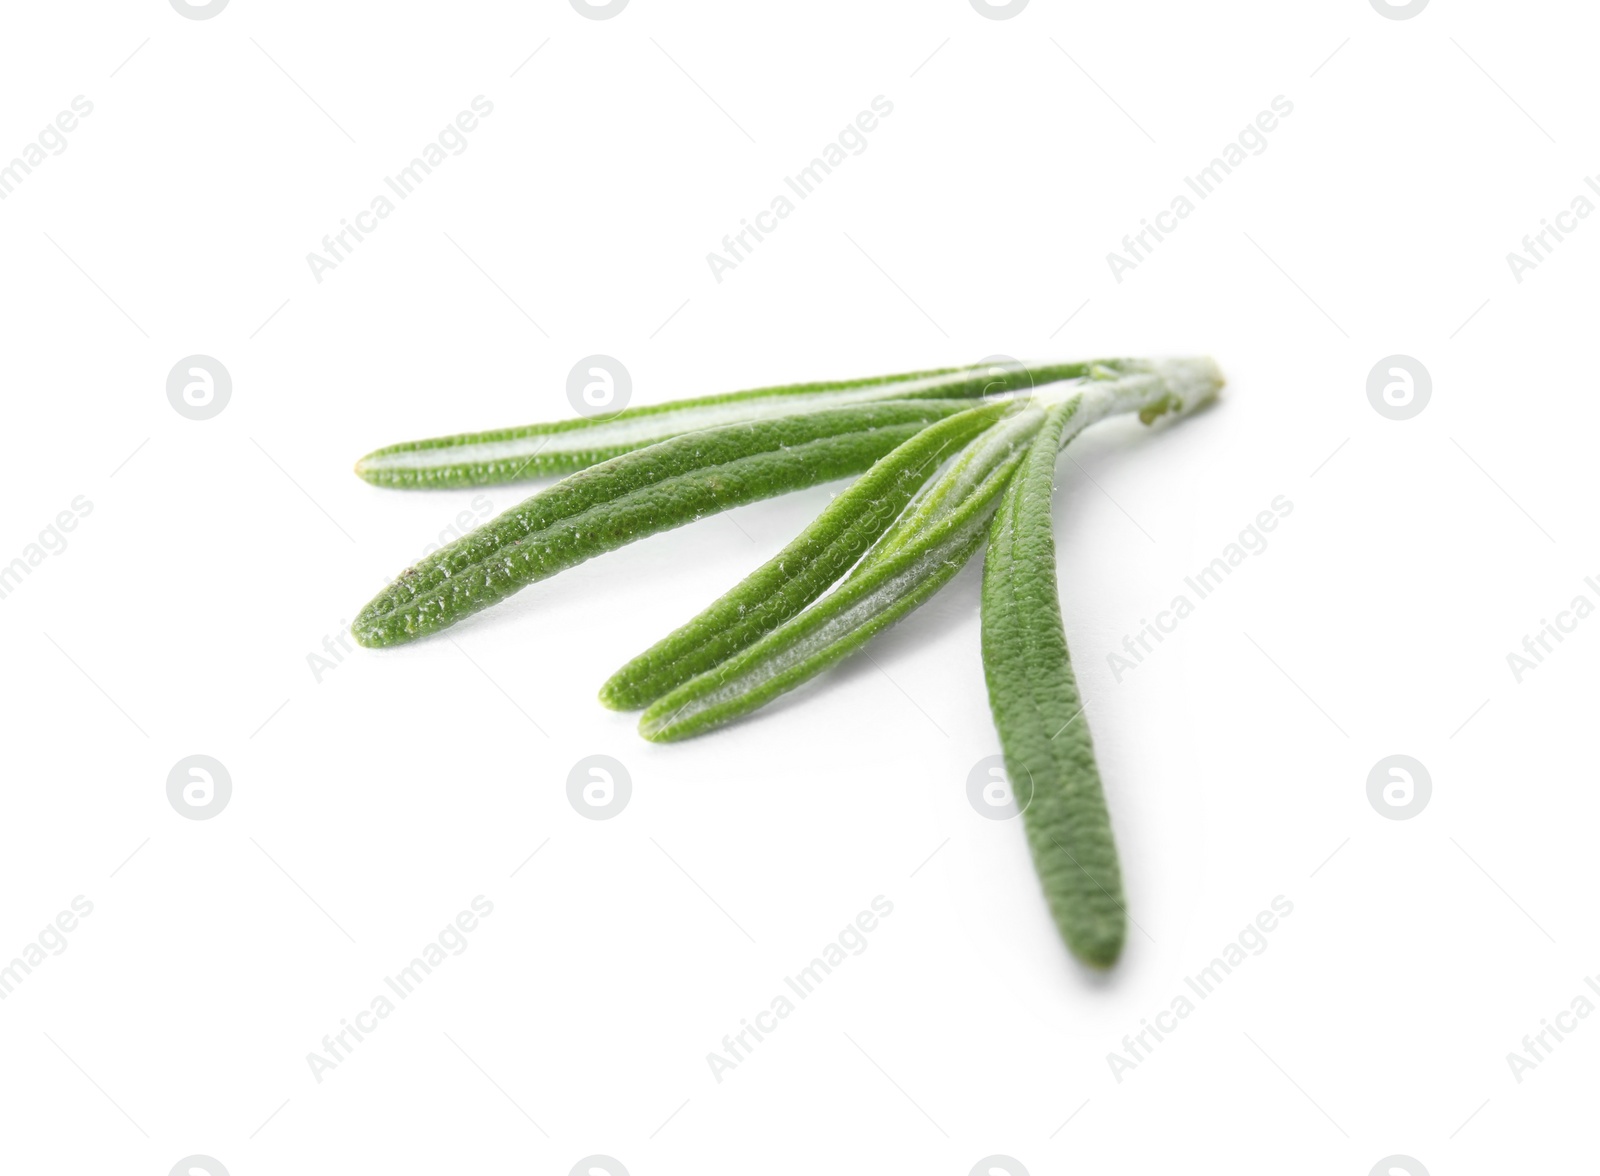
(1100, 945)
(661, 723)
(366, 469)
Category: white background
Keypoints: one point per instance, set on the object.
(371, 806)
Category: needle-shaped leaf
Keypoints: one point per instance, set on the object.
(640, 493)
(909, 565)
(1049, 757)
(534, 451)
(861, 607)
(1044, 734)
(803, 570)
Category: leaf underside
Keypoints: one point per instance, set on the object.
(1038, 712)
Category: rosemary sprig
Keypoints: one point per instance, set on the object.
(879, 550)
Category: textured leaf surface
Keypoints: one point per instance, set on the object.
(1037, 709)
(534, 451)
(864, 605)
(640, 493)
(803, 570)
(1033, 695)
